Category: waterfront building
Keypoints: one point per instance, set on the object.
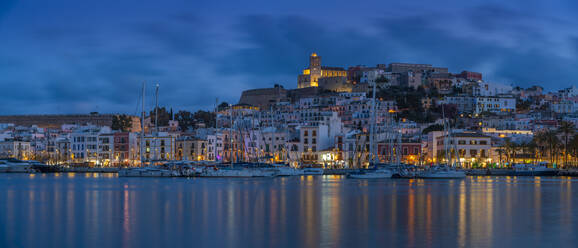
(15, 149)
(273, 144)
(159, 147)
(191, 148)
(410, 151)
(126, 149)
(215, 146)
(105, 149)
(474, 149)
(84, 143)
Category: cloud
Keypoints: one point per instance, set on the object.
(196, 59)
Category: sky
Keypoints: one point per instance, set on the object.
(70, 56)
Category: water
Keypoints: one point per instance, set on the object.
(101, 210)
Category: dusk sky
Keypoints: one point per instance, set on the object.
(71, 56)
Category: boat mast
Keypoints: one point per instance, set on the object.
(231, 134)
(446, 137)
(142, 126)
(399, 145)
(216, 130)
(372, 129)
(156, 121)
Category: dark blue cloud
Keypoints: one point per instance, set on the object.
(55, 58)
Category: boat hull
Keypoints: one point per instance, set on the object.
(534, 173)
(370, 176)
(443, 175)
(312, 171)
(138, 172)
(237, 173)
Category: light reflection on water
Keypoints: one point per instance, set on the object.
(101, 210)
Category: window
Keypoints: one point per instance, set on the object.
(314, 133)
(305, 133)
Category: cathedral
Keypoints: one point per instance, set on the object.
(310, 76)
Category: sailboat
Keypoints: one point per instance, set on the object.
(376, 172)
(145, 171)
(239, 170)
(445, 171)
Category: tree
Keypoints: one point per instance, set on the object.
(121, 123)
(222, 106)
(574, 148)
(164, 116)
(567, 129)
(185, 119)
(510, 149)
(431, 128)
(450, 110)
(549, 141)
(206, 117)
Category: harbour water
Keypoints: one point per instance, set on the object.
(102, 210)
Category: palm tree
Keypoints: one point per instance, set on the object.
(574, 148)
(548, 139)
(510, 148)
(567, 129)
(532, 148)
(500, 151)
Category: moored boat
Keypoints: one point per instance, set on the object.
(312, 171)
(146, 172)
(3, 167)
(284, 170)
(44, 168)
(441, 172)
(372, 174)
(17, 166)
(237, 172)
(539, 169)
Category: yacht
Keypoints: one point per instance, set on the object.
(539, 169)
(146, 172)
(312, 171)
(237, 172)
(3, 167)
(442, 172)
(446, 171)
(284, 170)
(372, 174)
(44, 168)
(17, 166)
(184, 168)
